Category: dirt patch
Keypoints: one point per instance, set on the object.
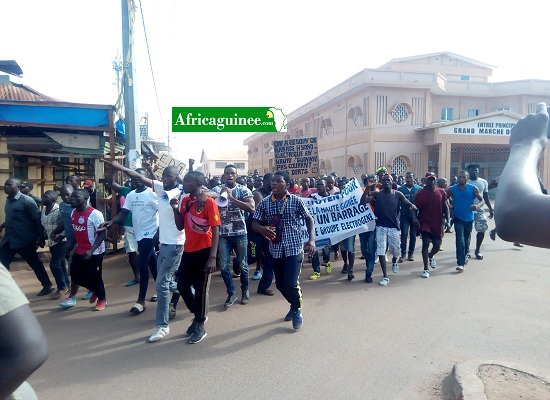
(503, 383)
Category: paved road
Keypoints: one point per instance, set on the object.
(358, 340)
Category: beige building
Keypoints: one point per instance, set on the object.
(214, 161)
(434, 112)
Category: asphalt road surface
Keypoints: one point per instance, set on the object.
(358, 341)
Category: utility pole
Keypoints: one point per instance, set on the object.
(131, 118)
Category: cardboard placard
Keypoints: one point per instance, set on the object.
(298, 157)
(165, 160)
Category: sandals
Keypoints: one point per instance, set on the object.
(137, 309)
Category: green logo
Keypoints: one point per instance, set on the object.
(228, 119)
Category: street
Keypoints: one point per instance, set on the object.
(358, 340)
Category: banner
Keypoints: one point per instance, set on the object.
(298, 157)
(339, 216)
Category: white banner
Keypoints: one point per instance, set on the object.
(340, 216)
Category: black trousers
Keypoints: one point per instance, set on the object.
(30, 255)
(89, 273)
(191, 273)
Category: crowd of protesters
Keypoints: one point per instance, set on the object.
(181, 229)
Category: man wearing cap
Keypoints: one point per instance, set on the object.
(89, 186)
(386, 209)
(431, 203)
(463, 196)
(26, 188)
(380, 172)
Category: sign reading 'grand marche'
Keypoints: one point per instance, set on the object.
(228, 119)
(298, 157)
(495, 127)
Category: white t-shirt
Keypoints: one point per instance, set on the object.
(169, 233)
(481, 185)
(143, 206)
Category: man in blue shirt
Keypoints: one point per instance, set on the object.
(463, 196)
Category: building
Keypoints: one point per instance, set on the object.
(43, 140)
(435, 112)
(215, 161)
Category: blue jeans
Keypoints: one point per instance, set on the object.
(58, 267)
(287, 272)
(168, 262)
(147, 261)
(463, 230)
(326, 258)
(407, 229)
(240, 244)
(368, 249)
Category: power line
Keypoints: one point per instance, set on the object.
(151, 66)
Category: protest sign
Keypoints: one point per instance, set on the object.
(164, 160)
(339, 216)
(298, 157)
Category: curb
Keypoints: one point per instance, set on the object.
(467, 385)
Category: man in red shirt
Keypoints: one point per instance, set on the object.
(198, 262)
(431, 203)
(306, 189)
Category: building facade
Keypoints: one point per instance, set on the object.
(214, 161)
(436, 112)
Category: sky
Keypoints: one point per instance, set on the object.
(248, 53)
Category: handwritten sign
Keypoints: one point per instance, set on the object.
(339, 216)
(164, 161)
(298, 157)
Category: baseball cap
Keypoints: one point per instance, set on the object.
(430, 175)
(87, 183)
(28, 185)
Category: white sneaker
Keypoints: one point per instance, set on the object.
(159, 333)
(433, 264)
(395, 268)
(460, 268)
(384, 282)
(425, 274)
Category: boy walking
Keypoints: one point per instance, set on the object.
(87, 261)
(198, 262)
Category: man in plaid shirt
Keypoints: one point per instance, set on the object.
(283, 213)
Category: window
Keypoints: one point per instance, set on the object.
(399, 166)
(400, 112)
(473, 113)
(446, 114)
(465, 77)
(504, 109)
(220, 164)
(239, 165)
